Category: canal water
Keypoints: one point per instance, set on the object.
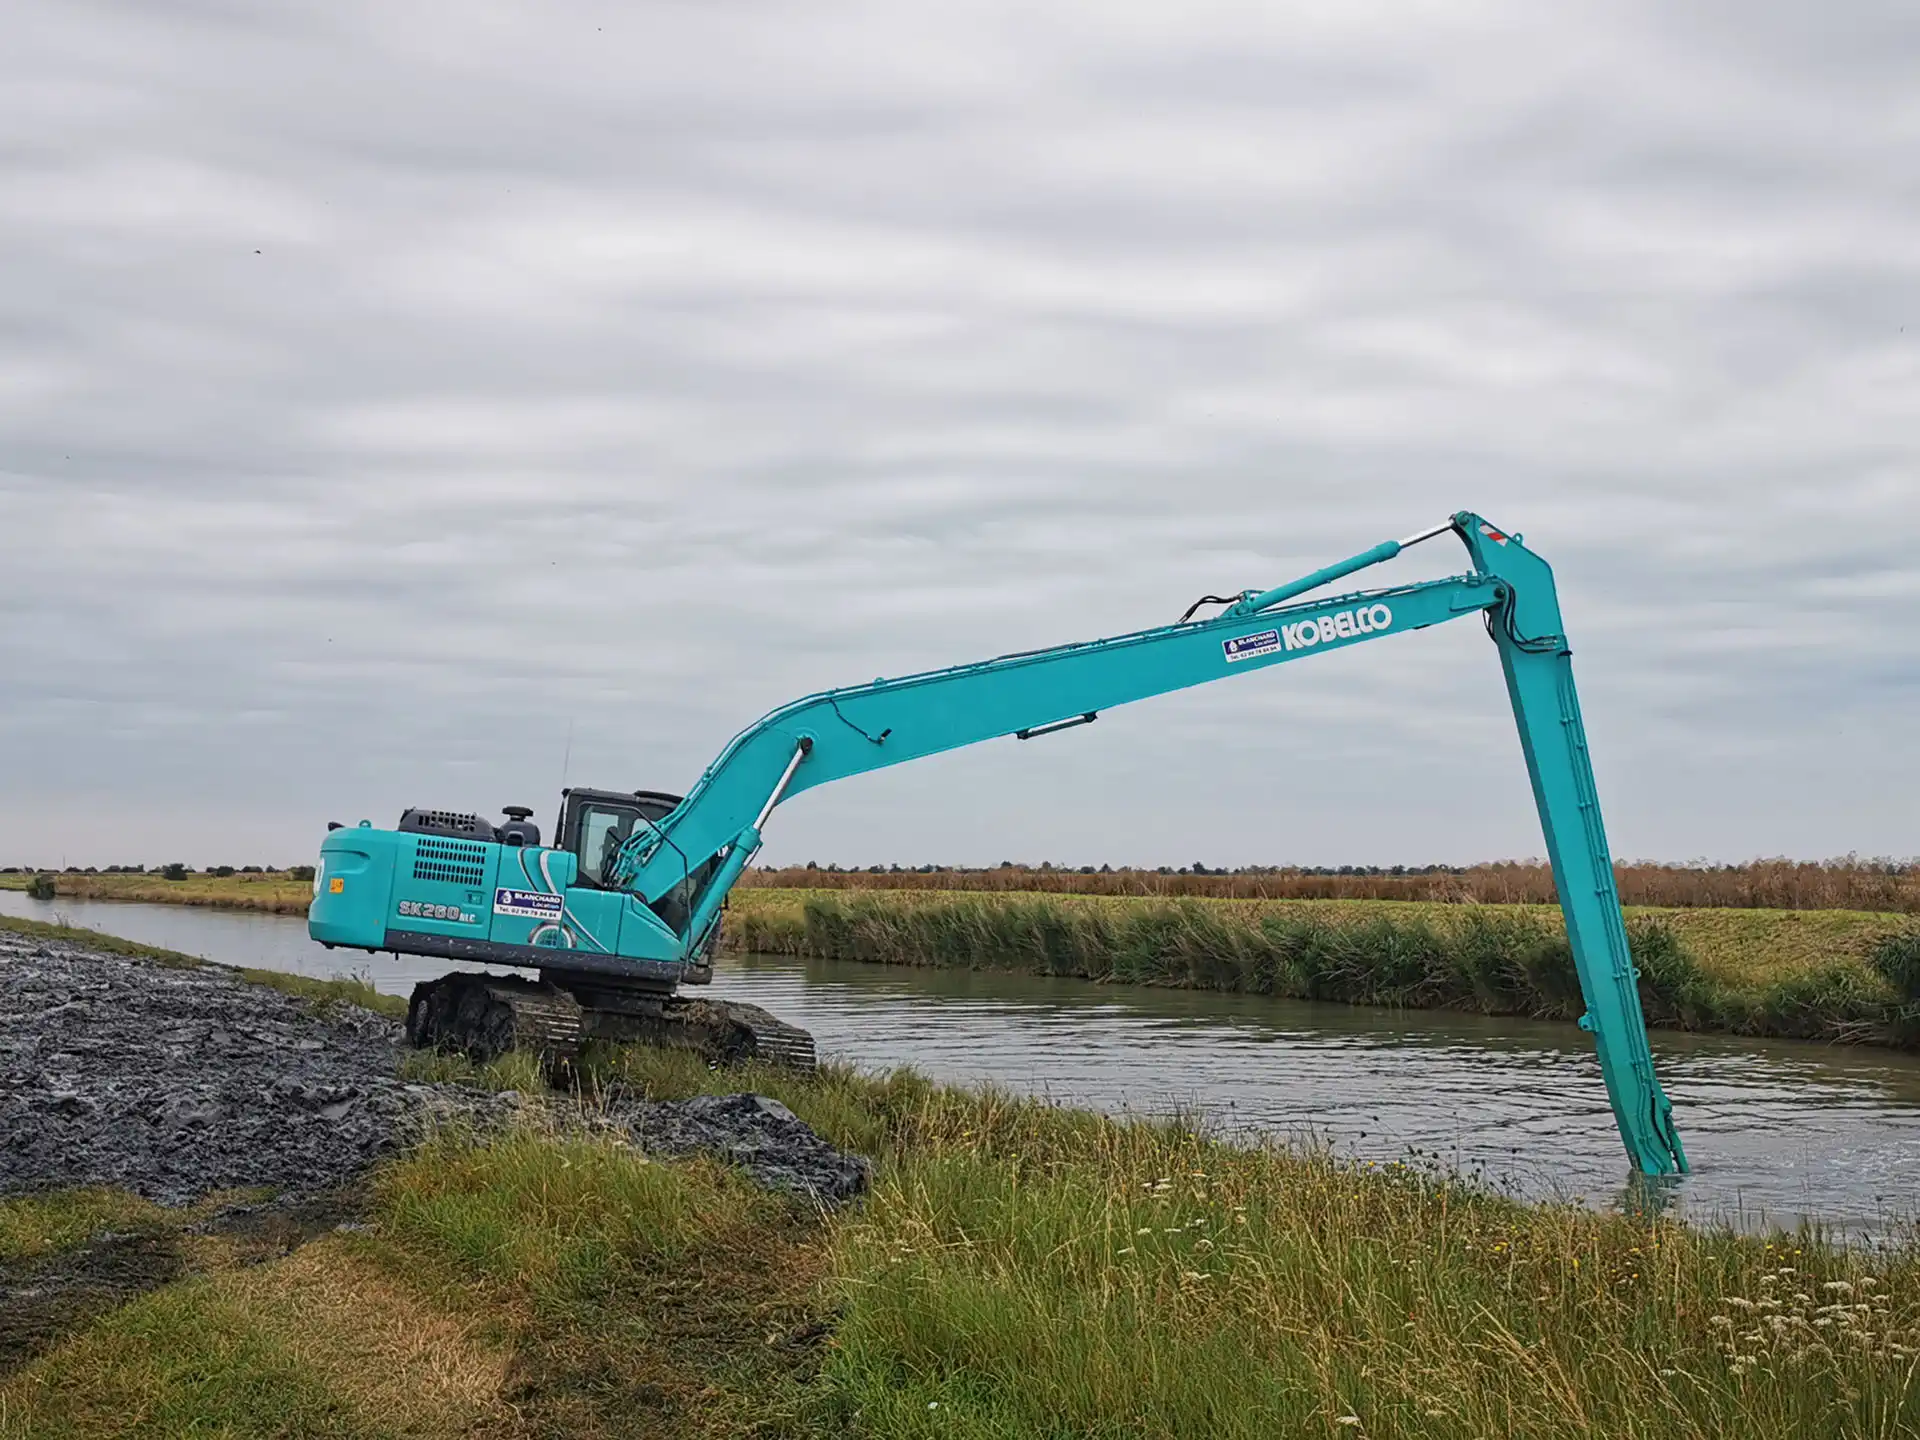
(1777, 1132)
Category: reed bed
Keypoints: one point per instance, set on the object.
(1845, 884)
(1857, 983)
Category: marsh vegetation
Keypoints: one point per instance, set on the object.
(1018, 1270)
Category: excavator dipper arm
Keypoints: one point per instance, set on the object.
(838, 733)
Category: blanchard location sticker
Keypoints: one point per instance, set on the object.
(529, 904)
(1245, 647)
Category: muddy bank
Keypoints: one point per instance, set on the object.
(756, 1132)
(173, 1083)
(177, 1082)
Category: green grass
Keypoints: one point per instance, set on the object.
(42, 1224)
(352, 990)
(1827, 975)
(178, 1362)
(1024, 1270)
(642, 1298)
(516, 1070)
(1035, 1277)
(1000, 1274)
(1020, 1270)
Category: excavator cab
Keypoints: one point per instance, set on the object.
(594, 824)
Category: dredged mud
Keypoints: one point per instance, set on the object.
(756, 1132)
(176, 1083)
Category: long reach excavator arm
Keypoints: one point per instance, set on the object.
(675, 867)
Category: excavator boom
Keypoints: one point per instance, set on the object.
(670, 875)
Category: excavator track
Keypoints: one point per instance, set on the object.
(485, 1016)
(749, 1032)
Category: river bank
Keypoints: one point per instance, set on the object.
(1017, 1269)
(274, 892)
(1834, 976)
(1779, 1129)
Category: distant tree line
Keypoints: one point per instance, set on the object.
(1847, 883)
(1198, 867)
(175, 870)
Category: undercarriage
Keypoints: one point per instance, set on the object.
(485, 1016)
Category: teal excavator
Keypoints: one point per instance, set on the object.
(624, 909)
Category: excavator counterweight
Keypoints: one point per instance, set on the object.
(624, 908)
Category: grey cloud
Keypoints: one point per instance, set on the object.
(627, 372)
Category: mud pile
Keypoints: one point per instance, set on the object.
(174, 1083)
(757, 1133)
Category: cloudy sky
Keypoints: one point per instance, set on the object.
(422, 402)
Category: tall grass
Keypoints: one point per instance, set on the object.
(1028, 1277)
(1846, 884)
(1019, 1270)
(1482, 959)
(1026, 1270)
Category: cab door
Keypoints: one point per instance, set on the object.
(598, 829)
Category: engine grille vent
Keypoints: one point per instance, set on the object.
(446, 822)
(453, 861)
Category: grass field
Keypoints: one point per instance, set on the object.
(1019, 1270)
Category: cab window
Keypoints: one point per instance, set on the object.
(603, 829)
